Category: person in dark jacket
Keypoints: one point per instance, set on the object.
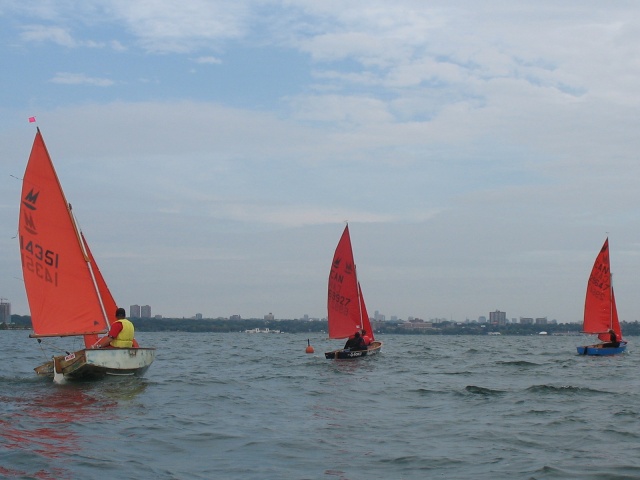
(355, 343)
(613, 342)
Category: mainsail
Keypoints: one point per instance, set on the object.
(345, 306)
(600, 312)
(57, 266)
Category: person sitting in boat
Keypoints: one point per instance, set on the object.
(614, 342)
(366, 337)
(120, 334)
(355, 343)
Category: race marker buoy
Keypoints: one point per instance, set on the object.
(309, 347)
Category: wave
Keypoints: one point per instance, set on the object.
(482, 390)
(562, 389)
(518, 363)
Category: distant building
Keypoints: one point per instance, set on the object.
(198, 316)
(498, 318)
(134, 311)
(269, 316)
(541, 321)
(5, 311)
(145, 311)
(416, 324)
(526, 321)
(235, 317)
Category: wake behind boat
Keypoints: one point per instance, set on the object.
(66, 292)
(600, 312)
(346, 310)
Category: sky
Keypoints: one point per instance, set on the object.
(481, 152)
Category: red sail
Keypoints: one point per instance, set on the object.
(600, 313)
(60, 289)
(615, 323)
(343, 304)
(108, 302)
(366, 323)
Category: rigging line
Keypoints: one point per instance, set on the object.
(53, 347)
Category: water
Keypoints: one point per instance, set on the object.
(256, 406)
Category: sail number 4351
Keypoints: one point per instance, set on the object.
(49, 257)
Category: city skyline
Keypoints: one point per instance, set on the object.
(144, 311)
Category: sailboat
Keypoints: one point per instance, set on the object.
(347, 312)
(66, 291)
(600, 312)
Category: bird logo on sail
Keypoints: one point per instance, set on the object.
(336, 263)
(30, 204)
(348, 268)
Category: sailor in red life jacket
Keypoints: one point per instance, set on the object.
(120, 334)
(366, 338)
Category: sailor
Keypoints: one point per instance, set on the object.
(355, 343)
(613, 340)
(120, 334)
(366, 338)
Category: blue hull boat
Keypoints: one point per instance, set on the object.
(600, 350)
(600, 312)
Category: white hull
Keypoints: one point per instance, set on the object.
(90, 364)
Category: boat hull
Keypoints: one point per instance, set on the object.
(348, 354)
(93, 364)
(599, 350)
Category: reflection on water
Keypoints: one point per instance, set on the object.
(48, 420)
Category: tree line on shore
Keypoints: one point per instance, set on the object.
(309, 326)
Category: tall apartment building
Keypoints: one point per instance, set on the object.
(5, 311)
(498, 317)
(145, 311)
(134, 311)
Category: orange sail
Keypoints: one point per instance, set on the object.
(108, 302)
(62, 294)
(600, 312)
(366, 323)
(344, 305)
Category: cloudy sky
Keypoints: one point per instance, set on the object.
(481, 151)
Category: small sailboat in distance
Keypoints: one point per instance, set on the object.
(346, 310)
(600, 312)
(66, 291)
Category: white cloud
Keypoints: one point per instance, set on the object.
(166, 26)
(41, 33)
(208, 60)
(66, 78)
(61, 36)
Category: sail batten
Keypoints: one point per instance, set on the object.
(62, 295)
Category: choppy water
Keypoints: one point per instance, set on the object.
(256, 406)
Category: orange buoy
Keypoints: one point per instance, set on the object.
(309, 348)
